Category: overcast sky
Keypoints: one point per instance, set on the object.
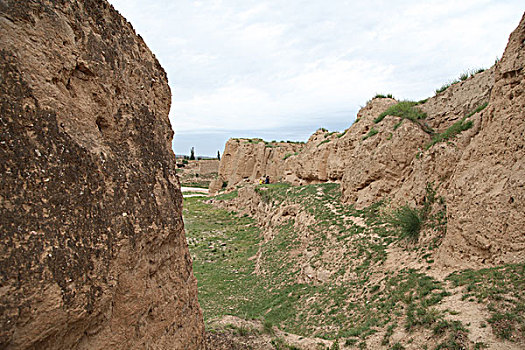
(282, 69)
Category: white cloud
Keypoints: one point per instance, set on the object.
(237, 65)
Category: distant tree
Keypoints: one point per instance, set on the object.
(218, 155)
(192, 153)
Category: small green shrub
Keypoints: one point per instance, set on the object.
(257, 140)
(280, 344)
(403, 109)
(443, 88)
(351, 341)
(371, 133)
(383, 96)
(268, 327)
(287, 155)
(408, 222)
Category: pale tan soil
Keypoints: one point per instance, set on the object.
(256, 338)
(93, 253)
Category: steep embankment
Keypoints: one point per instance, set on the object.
(93, 253)
(487, 192)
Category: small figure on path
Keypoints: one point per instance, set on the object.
(267, 181)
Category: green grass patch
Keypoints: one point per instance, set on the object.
(322, 142)
(451, 132)
(198, 184)
(478, 109)
(502, 289)
(462, 77)
(456, 128)
(227, 196)
(371, 133)
(383, 96)
(403, 109)
(223, 246)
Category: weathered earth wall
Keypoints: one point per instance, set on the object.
(93, 253)
(198, 172)
(247, 160)
(480, 171)
(486, 221)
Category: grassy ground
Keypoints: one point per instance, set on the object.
(357, 297)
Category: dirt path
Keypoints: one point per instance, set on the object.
(193, 191)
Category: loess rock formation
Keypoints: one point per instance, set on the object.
(93, 252)
(487, 192)
(479, 171)
(247, 160)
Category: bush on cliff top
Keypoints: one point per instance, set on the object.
(464, 76)
(403, 109)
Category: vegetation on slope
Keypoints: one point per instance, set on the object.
(456, 128)
(405, 110)
(464, 76)
(356, 298)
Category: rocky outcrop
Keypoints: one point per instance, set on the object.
(486, 221)
(93, 253)
(376, 163)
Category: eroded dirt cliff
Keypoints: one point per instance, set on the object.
(93, 252)
(248, 160)
(466, 142)
(487, 192)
